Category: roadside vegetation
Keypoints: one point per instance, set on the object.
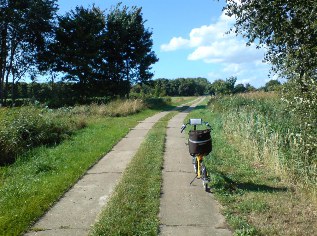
(259, 171)
(38, 176)
(24, 128)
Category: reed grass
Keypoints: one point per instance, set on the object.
(265, 130)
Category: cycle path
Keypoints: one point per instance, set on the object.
(186, 209)
(78, 209)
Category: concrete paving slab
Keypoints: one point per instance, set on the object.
(190, 231)
(60, 232)
(127, 143)
(115, 162)
(78, 208)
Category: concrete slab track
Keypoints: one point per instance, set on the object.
(185, 209)
(78, 209)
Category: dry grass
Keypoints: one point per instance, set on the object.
(259, 95)
(113, 109)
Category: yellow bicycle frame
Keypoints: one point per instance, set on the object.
(199, 158)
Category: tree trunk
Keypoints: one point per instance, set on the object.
(3, 57)
(12, 89)
(9, 69)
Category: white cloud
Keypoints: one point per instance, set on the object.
(175, 44)
(212, 44)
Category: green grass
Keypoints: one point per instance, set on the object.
(32, 184)
(138, 193)
(255, 198)
(41, 176)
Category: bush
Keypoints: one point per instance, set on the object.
(29, 127)
(157, 103)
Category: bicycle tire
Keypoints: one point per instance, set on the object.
(195, 165)
(204, 175)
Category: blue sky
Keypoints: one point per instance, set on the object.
(190, 41)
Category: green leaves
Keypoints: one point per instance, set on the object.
(287, 28)
(104, 53)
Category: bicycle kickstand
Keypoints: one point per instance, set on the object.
(193, 179)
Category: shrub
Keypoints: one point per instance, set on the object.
(301, 99)
(29, 127)
(157, 103)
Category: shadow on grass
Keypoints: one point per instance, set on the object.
(225, 183)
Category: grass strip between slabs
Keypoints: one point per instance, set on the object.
(134, 205)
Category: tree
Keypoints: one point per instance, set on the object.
(240, 88)
(25, 27)
(272, 85)
(128, 42)
(77, 50)
(224, 87)
(219, 87)
(230, 83)
(288, 29)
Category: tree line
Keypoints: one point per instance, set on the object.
(199, 86)
(98, 53)
(61, 93)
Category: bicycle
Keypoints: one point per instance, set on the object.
(200, 145)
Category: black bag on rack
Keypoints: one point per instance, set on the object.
(200, 142)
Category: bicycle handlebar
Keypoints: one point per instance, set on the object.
(189, 123)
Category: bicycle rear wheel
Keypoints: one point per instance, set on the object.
(204, 175)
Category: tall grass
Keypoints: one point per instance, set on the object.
(28, 127)
(263, 128)
(254, 192)
(24, 128)
(114, 108)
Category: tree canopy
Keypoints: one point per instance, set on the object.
(288, 29)
(25, 28)
(129, 52)
(100, 53)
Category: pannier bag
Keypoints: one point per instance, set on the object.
(199, 142)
